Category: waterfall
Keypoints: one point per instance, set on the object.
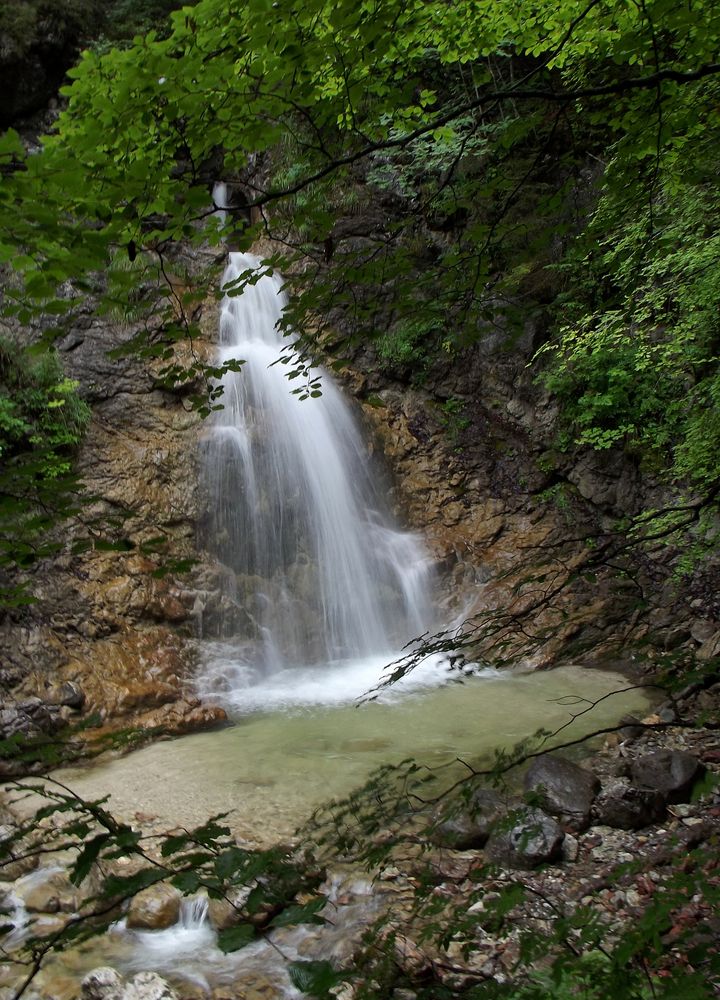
(318, 571)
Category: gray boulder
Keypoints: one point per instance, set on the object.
(526, 839)
(467, 827)
(566, 790)
(627, 807)
(671, 772)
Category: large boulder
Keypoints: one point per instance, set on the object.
(50, 893)
(154, 908)
(229, 911)
(468, 827)
(670, 772)
(526, 839)
(566, 790)
(627, 807)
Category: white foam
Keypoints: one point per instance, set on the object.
(240, 686)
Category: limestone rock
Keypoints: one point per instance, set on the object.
(102, 984)
(14, 864)
(469, 827)
(186, 715)
(710, 648)
(155, 908)
(671, 772)
(107, 984)
(250, 986)
(47, 924)
(16, 869)
(29, 718)
(411, 959)
(53, 894)
(528, 838)
(626, 807)
(228, 912)
(566, 790)
(69, 694)
(570, 848)
(148, 986)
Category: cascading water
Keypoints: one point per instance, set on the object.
(318, 573)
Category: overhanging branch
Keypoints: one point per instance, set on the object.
(652, 81)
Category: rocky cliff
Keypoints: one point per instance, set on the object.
(515, 528)
(109, 635)
(532, 539)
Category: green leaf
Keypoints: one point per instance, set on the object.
(234, 938)
(87, 857)
(308, 913)
(316, 978)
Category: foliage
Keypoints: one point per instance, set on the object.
(454, 420)
(25, 23)
(205, 859)
(563, 949)
(638, 367)
(420, 167)
(42, 420)
(124, 19)
(391, 821)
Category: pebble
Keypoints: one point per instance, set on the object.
(681, 810)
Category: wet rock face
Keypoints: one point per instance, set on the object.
(566, 790)
(497, 500)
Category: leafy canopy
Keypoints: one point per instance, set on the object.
(470, 130)
(473, 125)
